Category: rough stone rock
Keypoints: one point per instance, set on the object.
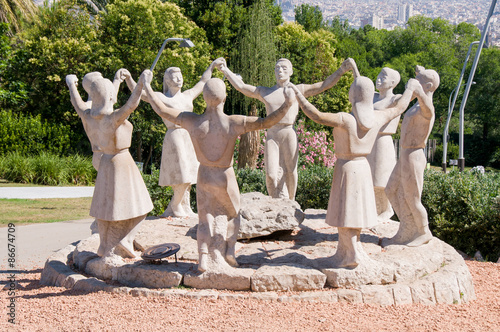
(350, 295)
(291, 277)
(422, 292)
(402, 294)
(377, 294)
(370, 272)
(154, 231)
(433, 273)
(104, 268)
(85, 251)
(56, 269)
(323, 296)
(142, 274)
(262, 215)
(234, 279)
(411, 263)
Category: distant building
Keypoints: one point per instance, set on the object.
(375, 21)
(405, 11)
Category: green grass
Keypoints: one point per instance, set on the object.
(31, 211)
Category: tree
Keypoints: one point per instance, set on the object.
(15, 11)
(62, 41)
(222, 19)
(483, 110)
(132, 33)
(310, 17)
(12, 93)
(68, 40)
(313, 58)
(253, 58)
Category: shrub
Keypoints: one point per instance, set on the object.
(30, 135)
(47, 169)
(451, 153)
(251, 180)
(463, 211)
(314, 187)
(314, 147)
(161, 196)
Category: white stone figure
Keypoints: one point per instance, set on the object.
(281, 149)
(121, 200)
(96, 151)
(179, 166)
(351, 206)
(87, 80)
(404, 189)
(214, 136)
(382, 158)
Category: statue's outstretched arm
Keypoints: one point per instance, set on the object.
(255, 123)
(76, 100)
(159, 107)
(246, 89)
(309, 90)
(328, 119)
(196, 90)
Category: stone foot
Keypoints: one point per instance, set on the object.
(203, 262)
(386, 215)
(125, 250)
(345, 262)
(421, 239)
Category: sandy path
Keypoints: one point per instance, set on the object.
(40, 308)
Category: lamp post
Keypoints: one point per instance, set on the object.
(461, 159)
(451, 106)
(185, 42)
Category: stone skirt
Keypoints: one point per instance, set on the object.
(178, 159)
(352, 200)
(120, 192)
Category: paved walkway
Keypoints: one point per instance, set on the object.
(35, 243)
(45, 192)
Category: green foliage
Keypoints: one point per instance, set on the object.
(251, 180)
(133, 32)
(255, 40)
(451, 153)
(47, 169)
(26, 134)
(315, 183)
(222, 19)
(464, 211)
(15, 12)
(310, 17)
(161, 196)
(12, 93)
(313, 58)
(64, 40)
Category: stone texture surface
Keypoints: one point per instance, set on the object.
(290, 266)
(235, 279)
(262, 215)
(86, 250)
(290, 277)
(142, 274)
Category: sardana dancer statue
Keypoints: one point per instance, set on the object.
(214, 136)
(121, 200)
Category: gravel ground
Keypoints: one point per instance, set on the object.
(40, 308)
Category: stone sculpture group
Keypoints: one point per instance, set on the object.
(367, 182)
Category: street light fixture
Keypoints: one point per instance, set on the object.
(185, 42)
(461, 159)
(451, 105)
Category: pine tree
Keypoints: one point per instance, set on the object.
(253, 58)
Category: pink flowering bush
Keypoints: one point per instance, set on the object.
(314, 148)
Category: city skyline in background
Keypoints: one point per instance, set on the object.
(395, 13)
